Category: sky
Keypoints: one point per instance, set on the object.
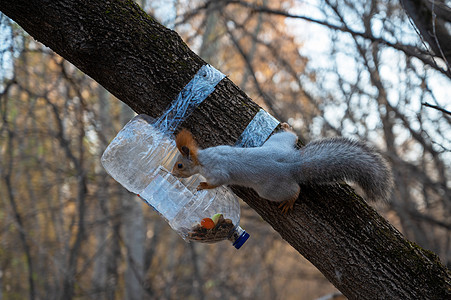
(315, 40)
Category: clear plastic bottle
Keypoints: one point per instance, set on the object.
(139, 158)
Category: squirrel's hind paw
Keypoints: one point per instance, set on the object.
(286, 127)
(287, 205)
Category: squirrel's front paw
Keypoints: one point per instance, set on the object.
(202, 186)
(205, 185)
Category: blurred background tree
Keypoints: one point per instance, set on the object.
(357, 69)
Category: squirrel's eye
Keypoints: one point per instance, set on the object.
(180, 166)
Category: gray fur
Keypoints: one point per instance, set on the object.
(335, 159)
(276, 169)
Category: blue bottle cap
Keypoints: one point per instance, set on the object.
(241, 240)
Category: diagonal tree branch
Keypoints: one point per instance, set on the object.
(146, 65)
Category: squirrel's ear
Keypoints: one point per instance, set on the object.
(185, 151)
(186, 144)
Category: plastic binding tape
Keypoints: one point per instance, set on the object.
(192, 95)
(258, 130)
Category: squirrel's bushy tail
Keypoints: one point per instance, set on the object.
(335, 159)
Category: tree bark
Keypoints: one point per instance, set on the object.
(146, 65)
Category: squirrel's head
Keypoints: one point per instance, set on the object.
(187, 163)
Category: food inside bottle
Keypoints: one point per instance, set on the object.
(210, 230)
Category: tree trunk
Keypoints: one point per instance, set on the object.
(134, 235)
(146, 65)
(102, 233)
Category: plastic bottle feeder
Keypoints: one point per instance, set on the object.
(139, 158)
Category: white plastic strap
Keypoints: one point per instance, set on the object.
(192, 95)
(258, 130)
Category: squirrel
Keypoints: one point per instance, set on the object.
(277, 168)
